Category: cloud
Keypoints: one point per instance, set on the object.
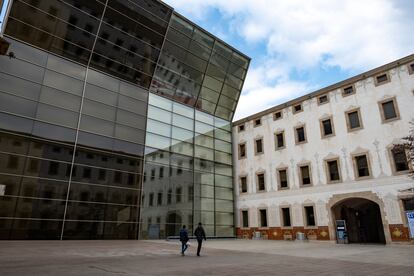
(301, 36)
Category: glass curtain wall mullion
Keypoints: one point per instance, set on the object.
(78, 126)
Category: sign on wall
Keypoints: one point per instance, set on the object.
(410, 218)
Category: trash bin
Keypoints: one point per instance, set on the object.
(300, 236)
(256, 235)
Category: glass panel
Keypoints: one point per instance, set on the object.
(159, 114)
(98, 110)
(160, 102)
(183, 122)
(97, 125)
(19, 87)
(56, 115)
(203, 153)
(157, 141)
(182, 134)
(204, 140)
(17, 105)
(55, 97)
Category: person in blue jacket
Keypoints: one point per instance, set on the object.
(184, 239)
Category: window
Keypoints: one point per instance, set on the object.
(399, 159)
(102, 174)
(243, 184)
(300, 135)
(241, 128)
(283, 178)
(305, 176)
(323, 99)
(178, 195)
(326, 127)
(310, 216)
(169, 196)
(381, 79)
(258, 146)
(190, 194)
(348, 90)
(242, 150)
(408, 204)
(151, 199)
(332, 171)
(353, 120)
(159, 198)
(389, 110)
(286, 217)
(361, 166)
(280, 140)
(261, 182)
(257, 122)
(277, 115)
(263, 217)
(411, 68)
(13, 162)
(245, 218)
(297, 108)
(53, 168)
(87, 173)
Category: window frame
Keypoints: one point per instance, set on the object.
(309, 165)
(239, 151)
(260, 218)
(327, 99)
(274, 115)
(241, 185)
(345, 87)
(241, 126)
(242, 219)
(393, 164)
(297, 137)
(255, 146)
(282, 218)
(327, 172)
(348, 123)
(323, 135)
(276, 140)
(255, 124)
(305, 217)
(294, 108)
(355, 167)
(257, 182)
(383, 82)
(381, 108)
(410, 68)
(279, 182)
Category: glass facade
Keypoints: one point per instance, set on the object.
(93, 145)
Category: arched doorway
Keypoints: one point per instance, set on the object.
(173, 225)
(363, 220)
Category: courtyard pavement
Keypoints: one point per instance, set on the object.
(219, 257)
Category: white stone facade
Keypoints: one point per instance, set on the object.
(375, 137)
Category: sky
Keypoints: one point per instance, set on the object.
(299, 46)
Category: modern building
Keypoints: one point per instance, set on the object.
(115, 121)
(327, 156)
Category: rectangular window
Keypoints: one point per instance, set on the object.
(259, 146)
(261, 182)
(310, 216)
(353, 120)
(13, 162)
(411, 68)
(400, 159)
(53, 168)
(389, 110)
(349, 90)
(263, 218)
(151, 199)
(241, 128)
(280, 140)
(257, 122)
(277, 115)
(243, 184)
(297, 108)
(169, 196)
(333, 171)
(362, 167)
(245, 219)
(327, 128)
(159, 198)
(87, 173)
(323, 99)
(178, 192)
(242, 151)
(286, 217)
(305, 176)
(190, 194)
(381, 79)
(300, 135)
(283, 178)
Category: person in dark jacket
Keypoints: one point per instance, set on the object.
(184, 239)
(200, 235)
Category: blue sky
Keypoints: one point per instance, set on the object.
(298, 46)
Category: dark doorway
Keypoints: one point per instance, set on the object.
(173, 224)
(363, 220)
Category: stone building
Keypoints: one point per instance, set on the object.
(328, 156)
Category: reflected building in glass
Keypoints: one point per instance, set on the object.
(114, 122)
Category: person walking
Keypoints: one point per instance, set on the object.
(184, 239)
(200, 235)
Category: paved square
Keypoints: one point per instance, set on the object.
(227, 257)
